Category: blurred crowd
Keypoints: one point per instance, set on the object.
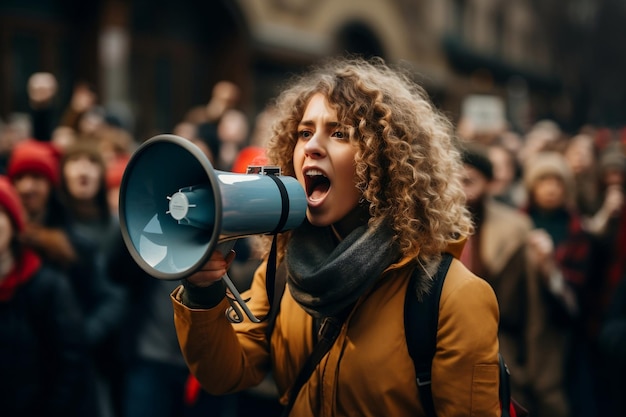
(103, 335)
(550, 238)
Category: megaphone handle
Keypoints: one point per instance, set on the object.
(237, 303)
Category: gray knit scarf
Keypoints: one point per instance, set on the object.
(326, 277)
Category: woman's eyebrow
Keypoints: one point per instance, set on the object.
(332, 125)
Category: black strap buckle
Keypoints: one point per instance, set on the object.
(329, 330)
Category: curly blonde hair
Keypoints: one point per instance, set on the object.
(407, 164)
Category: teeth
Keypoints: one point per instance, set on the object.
(314, 172)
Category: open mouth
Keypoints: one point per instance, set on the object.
(317, 184)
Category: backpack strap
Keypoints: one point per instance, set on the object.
(421, 320)
(275, 291)
(328, 333)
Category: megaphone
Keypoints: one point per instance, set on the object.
(175, 209)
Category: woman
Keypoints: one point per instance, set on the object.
(34, 171)
(381, 174)
(567, 256)
(42, 344)
(91, 226)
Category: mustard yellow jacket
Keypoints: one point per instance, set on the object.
(368, 371)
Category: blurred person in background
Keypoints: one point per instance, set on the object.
(83, 192)
(498, 252)
(612, 347)
(186, 129)
(210, 142)
(223, 139)
(610, 178)
(261, 130)
(610, 215)
(232, 130)
(16, 129)
(581, 156)
(203, 136)
(566, 254)
(34, 170)
(84, 98)
(224, 96)
(90, 223)
(42, 88)
(608, 225)
(506, 185)
(543, 135)
(114, 143)
(63, 137)
(42, 342)
(606, 293)
(116, 146)
(91, 122)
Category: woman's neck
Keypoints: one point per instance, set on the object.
(357, 217)
(85, 210)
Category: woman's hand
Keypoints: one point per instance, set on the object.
(213, 270)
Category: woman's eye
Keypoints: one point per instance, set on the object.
(338, 134)
(304, 134)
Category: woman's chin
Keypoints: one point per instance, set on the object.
(316, 220)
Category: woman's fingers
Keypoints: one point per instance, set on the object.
(213, 270)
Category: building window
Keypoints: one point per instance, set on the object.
(457, 17)
(499, 32)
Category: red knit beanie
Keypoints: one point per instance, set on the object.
(251, 155)
(35, 157)
(29, 263)
(10, 200)
(115, 172)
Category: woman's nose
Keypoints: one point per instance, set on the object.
(314, 146)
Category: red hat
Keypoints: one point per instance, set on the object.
(36, 157)
(115, 172)
(251, 155)
(10, 200)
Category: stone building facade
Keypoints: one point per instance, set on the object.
(151, 61)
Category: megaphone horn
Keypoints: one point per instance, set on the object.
(175, 209)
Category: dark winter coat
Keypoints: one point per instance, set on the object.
(42, 348)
